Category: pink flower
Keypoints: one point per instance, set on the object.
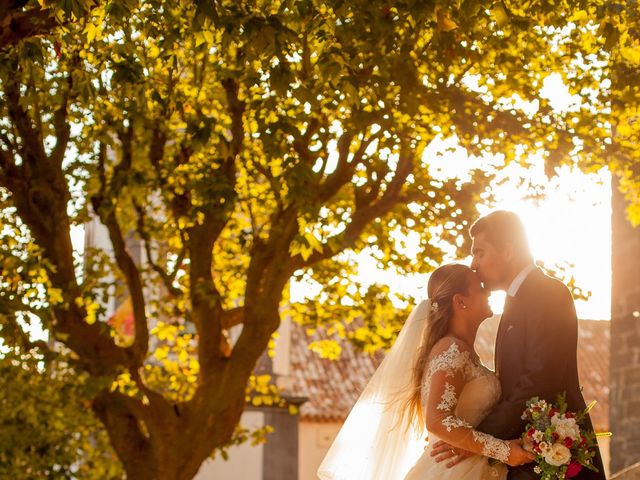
(573, 469)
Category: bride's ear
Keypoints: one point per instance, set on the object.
(458, 301)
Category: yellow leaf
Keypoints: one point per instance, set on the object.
(580, 16)
(55, 296)
(183, 356)
(445, 23)
(329, 349)
(631, 54)
(161, 353)
(153, 51)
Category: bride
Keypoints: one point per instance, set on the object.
(430, 378)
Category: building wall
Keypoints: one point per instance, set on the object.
(280, 460)
(245, 462)
(314, 441)
(625, 338)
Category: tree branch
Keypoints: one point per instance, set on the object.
(345, 169)
(32, 143)
(233, 317)
(166, 278)
(40, 194)
(236, 108)
(363, 215)
(205, 298)
(134, 284)
(122, 419)
(106, 210)
(62, 128)
(8, 170)
(16, 24)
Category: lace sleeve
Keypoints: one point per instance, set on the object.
(447, 378)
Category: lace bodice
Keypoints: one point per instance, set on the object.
(457, 393)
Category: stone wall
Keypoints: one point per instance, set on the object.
(625, 338)
(629, 473)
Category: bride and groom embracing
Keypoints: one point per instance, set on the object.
(432, 378)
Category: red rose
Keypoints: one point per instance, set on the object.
(555, 436)
(531, 432)
(569, 415)
(553, 411)
(573, 469)
(583, 441)
(568, 442)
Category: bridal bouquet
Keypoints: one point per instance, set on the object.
(555, 436)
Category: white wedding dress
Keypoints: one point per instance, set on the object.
(457, 393)
(378, 441)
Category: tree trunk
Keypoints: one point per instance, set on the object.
(163, 441)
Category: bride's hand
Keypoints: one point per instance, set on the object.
(518, 455)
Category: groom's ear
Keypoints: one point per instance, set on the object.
(509, 252)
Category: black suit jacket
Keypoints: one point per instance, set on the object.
(536, 355)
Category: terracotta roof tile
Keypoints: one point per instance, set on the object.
(333, 386)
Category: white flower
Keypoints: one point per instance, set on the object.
(544, 447)
(537, 469)
(538, 436)
(558, 455)
(566, 427)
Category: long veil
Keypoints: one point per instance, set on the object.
(378, 442)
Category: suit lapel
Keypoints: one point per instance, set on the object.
(510, 309)
(502, 329)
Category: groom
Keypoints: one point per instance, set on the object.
(536, 344)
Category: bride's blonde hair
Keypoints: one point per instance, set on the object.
(444, 283)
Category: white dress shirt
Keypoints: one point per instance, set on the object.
(517, 282)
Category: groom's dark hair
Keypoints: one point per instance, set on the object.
(503, 227)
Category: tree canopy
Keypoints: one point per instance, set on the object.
(226, 148)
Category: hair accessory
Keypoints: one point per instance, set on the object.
(433, 307)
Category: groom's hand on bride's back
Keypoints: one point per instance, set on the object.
(442, 451)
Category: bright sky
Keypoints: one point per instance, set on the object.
(568, 223)
(570, 226)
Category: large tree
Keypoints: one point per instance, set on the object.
(242, 144)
